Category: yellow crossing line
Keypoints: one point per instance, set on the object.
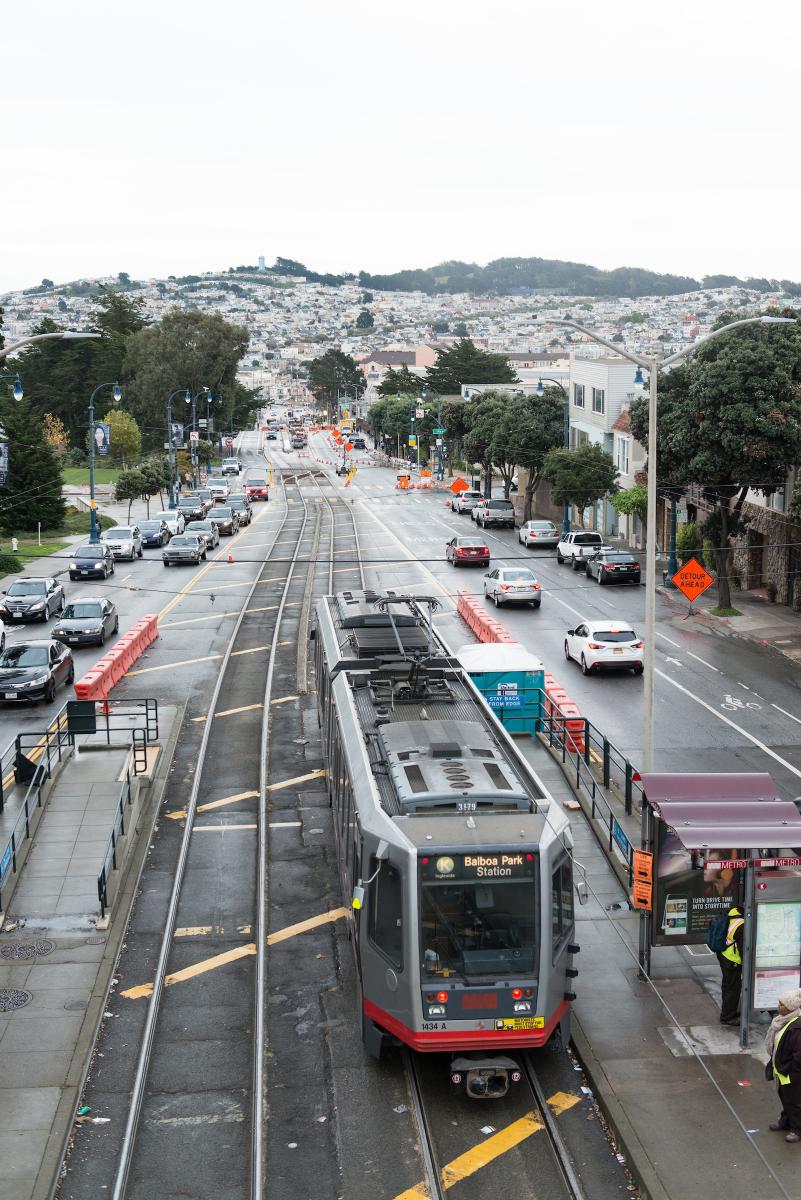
(279, 787)
(491, 1148)
(229, 712)
(179, 814)
(283, 700)
(188, 662)
(214, 617)
(141, 990)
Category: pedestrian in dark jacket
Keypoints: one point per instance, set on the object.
(731, 967)
(783, 1043)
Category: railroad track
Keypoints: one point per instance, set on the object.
(544, 1159)
(233, 767)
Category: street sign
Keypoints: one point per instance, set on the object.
(419, 413)
(643, 866)
(641, 894)
(459, 485)
(194, 436)
(438, 429)
(348, 447)
(229, 443)
(412, 439)
(692, 579)
(439, 441)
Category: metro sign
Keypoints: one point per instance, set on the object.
(692, 579)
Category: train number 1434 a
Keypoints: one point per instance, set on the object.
(433, 1025)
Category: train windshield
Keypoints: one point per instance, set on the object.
(478, 928)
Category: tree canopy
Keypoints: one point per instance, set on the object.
(581, 476)
(729, 420)
(33, 490)
(465, 363)
(332, 373)
(399, 382)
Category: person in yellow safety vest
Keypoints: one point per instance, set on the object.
(731, 967)
(783, 1044)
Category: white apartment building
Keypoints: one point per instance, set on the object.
(600, 390)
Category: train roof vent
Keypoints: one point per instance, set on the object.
(437, 765)
(356, 610)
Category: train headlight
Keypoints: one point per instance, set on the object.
(436, 1010)
(523, 1006)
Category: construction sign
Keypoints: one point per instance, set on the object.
(641, 894)
(692, 579)
(459, 485)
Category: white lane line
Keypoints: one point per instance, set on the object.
(564, 604)
(665, 637)
(784, 710)
(703, 660)
(606, 603)
(126, 577)
(284, 824)
(744, 686)
(732, 724)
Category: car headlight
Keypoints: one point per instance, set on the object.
(37, 682)
(38, 604)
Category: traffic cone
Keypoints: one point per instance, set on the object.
(230, 557)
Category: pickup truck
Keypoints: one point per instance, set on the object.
(494, 512)
(578, 545)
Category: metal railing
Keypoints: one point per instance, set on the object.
(36, 768)
(117, 831)
(115, 716)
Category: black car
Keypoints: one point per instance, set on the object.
(184, 548)
(92, 562)
(191, 508)
(613, 566)
(31, 671)
(225, 518)
(32, 600)
(240, 505)
(154, 533)
(87, 622)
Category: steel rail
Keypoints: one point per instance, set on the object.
(352, 514)
(149, 1030)
(257, 1131)
(436, 1188)
(560, 1151)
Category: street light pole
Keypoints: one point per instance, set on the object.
(653, 366)
(94, 536)
(66, 334)
(170, 447)
(192, 444)
(565, 436)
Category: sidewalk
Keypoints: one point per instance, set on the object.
(690, 1108)
(56, 964)
(775, 626)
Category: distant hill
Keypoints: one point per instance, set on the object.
(507, 276)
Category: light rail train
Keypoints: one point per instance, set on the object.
(454, 861)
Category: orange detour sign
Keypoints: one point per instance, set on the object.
(643, 866)
(425, 473)
(348, 446)
(458, 486)
(692, 579)
(641, 894)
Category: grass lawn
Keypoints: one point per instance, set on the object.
(80, 475)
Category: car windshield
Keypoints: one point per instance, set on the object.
(150, 526)
(28, 587)
(500, 504)
(257, 483)
(24, 656)
(619, 558)
(92, 552)
(81, 612)
(515, 574)
(237, 504)
(469, 541)
(478, 929)
(183, 541)
(120, 533)
(203, 526)
(588, 539)
(542, 525)
(613, 635)
(222, 510)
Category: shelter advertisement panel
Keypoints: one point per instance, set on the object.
(778, 951)
(688, 894)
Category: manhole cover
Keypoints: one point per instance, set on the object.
(96, 941)
(11, 998)
(27, 949)
(75, 1005)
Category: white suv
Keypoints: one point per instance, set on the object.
(578, 545)
(124, 541)
(465, 501)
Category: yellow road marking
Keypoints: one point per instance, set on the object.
(193, 930)
(493, 1147)
(214, 617)
(595, 756)
(229, 712)
(278, 787)
(282, 935)
(191, 583)
(179, 814)
(283, 700)
(200, 968)
(188, 662)
(140, 991)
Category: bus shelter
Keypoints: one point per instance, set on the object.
(711, 840)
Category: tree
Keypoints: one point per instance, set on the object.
(189, 349)
(332, 373)
(465, 363)
(580, 477)
(401, 381)
(530, 428)
(367, 297)
(631, 502)
(155, 474)
(461, 330)
(729, 421)
(33, 490)
(130, 486)
(365, 320)
(48, 283)
(55, 435)
(126, 438)
(441, 326)
(479, 443)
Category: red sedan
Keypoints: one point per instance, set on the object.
(257, 489)
(464, 551)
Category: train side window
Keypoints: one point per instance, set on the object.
(386, 912)
(561, 903)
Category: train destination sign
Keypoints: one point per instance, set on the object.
(510, 864)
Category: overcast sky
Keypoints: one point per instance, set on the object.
(182, 136)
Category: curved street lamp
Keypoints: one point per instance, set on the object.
(653, 366)
(94, 536)
(170, 445)
(66, 334)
